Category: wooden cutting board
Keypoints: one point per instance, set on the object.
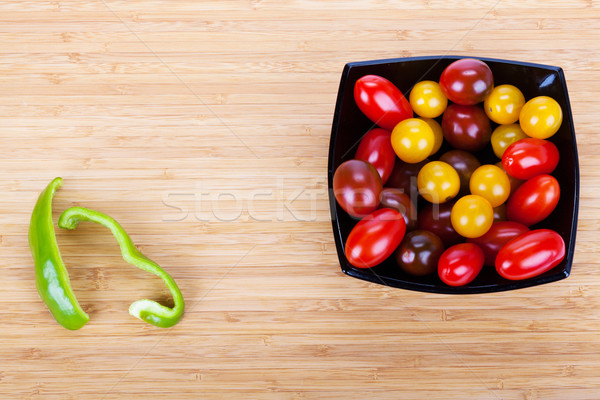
(203, 128)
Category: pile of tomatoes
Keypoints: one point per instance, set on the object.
(474, 215)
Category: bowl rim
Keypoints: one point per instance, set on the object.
(368, 274)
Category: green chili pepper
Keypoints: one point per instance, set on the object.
(52, 279)
(146, 310)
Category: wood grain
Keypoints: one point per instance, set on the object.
(203, 127)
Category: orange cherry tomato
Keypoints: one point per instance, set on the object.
(472, 216)
(504, 104)
(541, 117)
(491, 183)
(412, 140)
(505, 135)
(427, 99)
(438, 182)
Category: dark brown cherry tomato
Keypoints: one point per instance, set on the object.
(419, 253)
(500, 213)
(399, 201)
(467, 81)
(466, 127)
(436, 218)
(381, 101)
(376, 149)
(464, 163)
(375, 238)
(499, 234)
(530, 254)
(404, 176)
(357, 187)
(460, 264)
(534, 200)
(529, 157)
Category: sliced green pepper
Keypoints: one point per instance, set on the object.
(52, 279)
(146, 310)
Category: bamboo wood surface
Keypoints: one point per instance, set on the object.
(203, 128)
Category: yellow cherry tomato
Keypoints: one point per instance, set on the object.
(491, 183)
(472, 216)
(427, 99)
(505, 135)
(438, 136)
(504, 104)
(412, 140)
(438, 182)
(541, 117)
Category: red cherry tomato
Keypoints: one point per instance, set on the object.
(357, 187)
(467, 81)
(530, 254)
(375, 238)
(436, 218)
(499, 234)
(460, 264)
(466, 127)
(376, 149)
(381, 101)
(534, 200)
(399, 201)
(529, 157)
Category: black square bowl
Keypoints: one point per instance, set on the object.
(350, 124)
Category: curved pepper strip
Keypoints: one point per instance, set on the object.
(146, 310)
(51, 277)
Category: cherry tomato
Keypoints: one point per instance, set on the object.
(419, 253)
(399, 201)
(499, 234)
(464, 163)
(529, 157)
(514, 182)
(438, 136)
(534, 200)
(404, 176)
(472, 216)
(357, 187)
(491, 183)
(412, 140)
(541, 117)
(381, 101)
(467, 81)
(376, 149)
(427, 99)
(504, 104)
(500, 213)
(505, 135)
(530, 254)
(438, 182)
(466, 127)
(436, 218)
(375, 238)
(460, 264)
